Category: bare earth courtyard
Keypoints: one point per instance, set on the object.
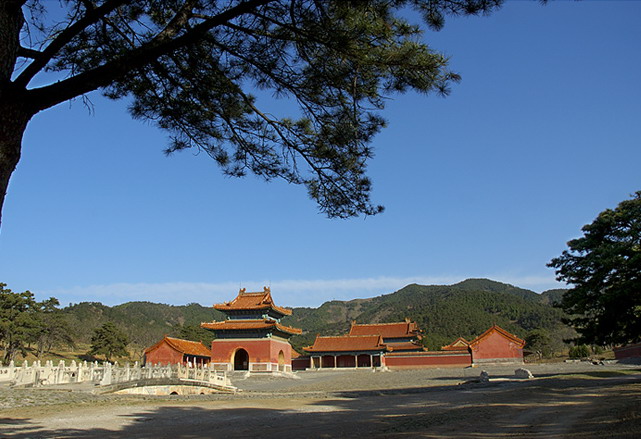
(562, 401)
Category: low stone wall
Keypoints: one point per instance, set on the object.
(104, 374)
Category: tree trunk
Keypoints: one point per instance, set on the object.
(13, 106)
(12, 126)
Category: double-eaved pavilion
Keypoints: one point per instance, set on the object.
(347, 351)
(251, 337)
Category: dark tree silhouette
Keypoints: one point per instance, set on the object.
(604, 268)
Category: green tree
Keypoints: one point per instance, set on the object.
(53, 329)
(109, 341)
(18, 321)
(604, 268)
(189, 66)
(540, 342)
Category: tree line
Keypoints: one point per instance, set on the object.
(25, 322)
(28, 326)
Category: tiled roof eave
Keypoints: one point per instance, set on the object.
(231, 325)
(388, 330)
(188, 347)
(224, 307)
(348, 343)
(185, 347)
(353, 351)
(289, 329)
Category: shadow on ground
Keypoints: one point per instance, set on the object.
(564, 407)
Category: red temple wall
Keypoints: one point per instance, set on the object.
(276, 347)
(427, 360)
(163, 354)
(629, 351)
(496, 347)
(300, 363)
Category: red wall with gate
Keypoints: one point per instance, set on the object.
(264, 350)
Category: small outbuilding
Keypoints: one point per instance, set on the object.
(496, 345)
(171, 350)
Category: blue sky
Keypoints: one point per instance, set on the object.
(542, 134)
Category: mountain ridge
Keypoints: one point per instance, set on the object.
(444, 312)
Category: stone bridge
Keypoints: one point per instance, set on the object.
(107, 377)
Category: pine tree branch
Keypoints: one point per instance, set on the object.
(92, 16)
(25, 52)
(162, 44)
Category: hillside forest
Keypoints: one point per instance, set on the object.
(443, 312)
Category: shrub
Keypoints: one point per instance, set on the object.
(580, 351)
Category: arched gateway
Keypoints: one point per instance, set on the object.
(241, 360)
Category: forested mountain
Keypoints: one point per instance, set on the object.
(444, 313)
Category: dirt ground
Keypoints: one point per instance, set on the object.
(562, 401)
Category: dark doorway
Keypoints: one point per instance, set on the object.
(241, 360)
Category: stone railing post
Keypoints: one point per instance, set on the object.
(12, 370)
(72, 372)
(60, 373)
(127, 376)
(107, 374)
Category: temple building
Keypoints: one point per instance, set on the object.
(398, 337)
(251, 337)
(347, 351)
(171, 350)
(397, 346)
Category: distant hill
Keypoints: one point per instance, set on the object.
(444, 312)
